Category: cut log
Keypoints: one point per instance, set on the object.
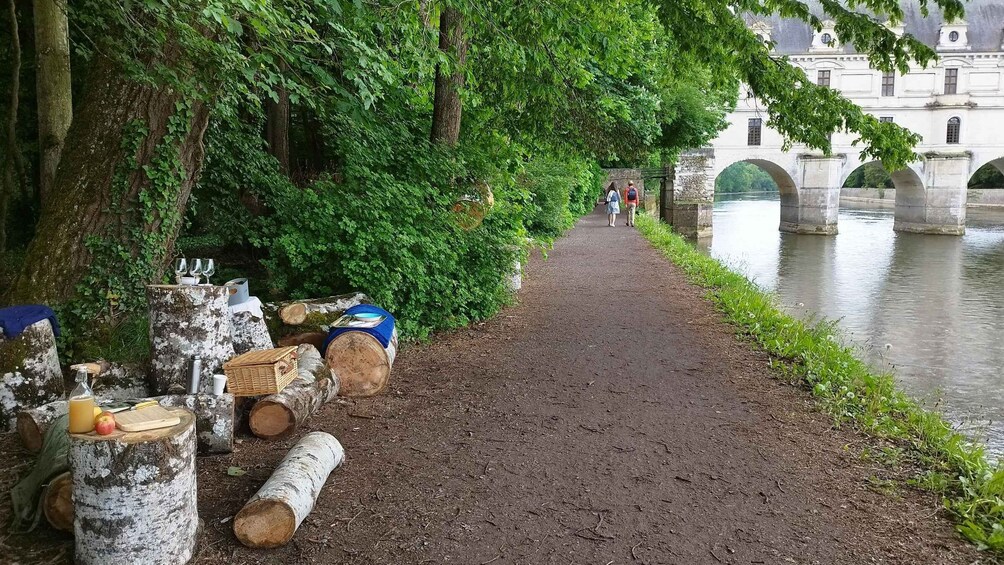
(316, 339)
(134, 498)
(361, 364)
(249, 327)
(30, 375)
(57, 502)
(187, 321)
(34, 422)
(279, 415)
(214, 419)
(121, 381)
(313, 315)
(274, 513)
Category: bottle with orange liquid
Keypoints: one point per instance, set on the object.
(81, 406)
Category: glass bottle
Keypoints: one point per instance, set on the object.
(81, 406)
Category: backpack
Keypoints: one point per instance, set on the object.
(632, 194)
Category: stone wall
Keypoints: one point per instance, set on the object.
(621, 177)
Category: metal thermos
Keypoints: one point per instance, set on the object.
(193, 380)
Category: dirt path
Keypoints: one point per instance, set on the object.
(609, 418)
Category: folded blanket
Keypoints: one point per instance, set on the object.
(16, 319)
(383, 333)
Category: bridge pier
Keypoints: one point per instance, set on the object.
(811, 206)
(690, 194)
(938, 204)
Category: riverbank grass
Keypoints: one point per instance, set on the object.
(810, 354)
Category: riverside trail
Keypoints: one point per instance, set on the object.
(610, 417)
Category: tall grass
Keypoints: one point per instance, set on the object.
(950, 464)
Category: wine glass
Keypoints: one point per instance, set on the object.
(195, 269)
(180, 267)
(208, 268)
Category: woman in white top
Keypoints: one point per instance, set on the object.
(613, 205)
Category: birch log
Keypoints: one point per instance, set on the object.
(30, 375)
(134, 498)
(279, 415)
(313, 315)
(274, 513)
(214, 419)
(57, 502)
(121, 381)
(250, 332)
(34, 422)
(187, 321)
(361, 364)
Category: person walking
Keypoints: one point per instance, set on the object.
(631, 197)
(613, 205)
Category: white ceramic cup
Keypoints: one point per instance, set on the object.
(219, 383)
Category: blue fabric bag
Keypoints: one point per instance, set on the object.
(15, 319)
(383, 333)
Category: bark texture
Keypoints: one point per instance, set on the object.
(250, 332)
(279, 415)
(30, 375)
(12, 179)
(134, 498)
(187, 322)
(310, 315)
(96, 193)
(214, 419)
(121, 381)
(52, 87)
(447, 107)
(361, 364)
(32, 423)
(274, 513)
(57, 502)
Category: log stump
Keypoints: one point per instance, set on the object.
(57, 502)
(360, 362)
(30, 375)
(274, 513)
(214, 419)
(250, 332)
(121, 381)
(134, 498)
(187, 321)
(34, 422)
(279, 415)
(311, 315)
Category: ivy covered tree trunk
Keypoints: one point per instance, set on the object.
(52, 87)
(130, 160)
(447, 108)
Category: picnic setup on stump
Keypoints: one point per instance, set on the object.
(116, 456)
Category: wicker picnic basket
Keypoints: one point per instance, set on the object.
(261, 372)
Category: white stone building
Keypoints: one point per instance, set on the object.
(956, 105)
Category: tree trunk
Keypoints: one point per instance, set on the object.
(121, 382)
(103, 200)
(311, 315)
(361, 364)
(30, 375)
(214, 419)
(274, 513)
(52, 87)
(32, 423)
(134, 498)
(187, 322)
(277, 127)
(278, 415)
(12, 179)
(447, 107)
(57, 502)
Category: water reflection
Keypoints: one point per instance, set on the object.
(928, 307)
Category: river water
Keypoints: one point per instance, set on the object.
(928, 308)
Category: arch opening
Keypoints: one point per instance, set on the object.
(872, 179)
(755, 176)
(988, 177)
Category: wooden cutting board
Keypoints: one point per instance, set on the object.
(150, 418)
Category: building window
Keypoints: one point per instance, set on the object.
(826, 39)
(823, 78)
(885, 119)
(953, 36)
(888, 84)
(753, 135)
(951, 81)
(954, 125)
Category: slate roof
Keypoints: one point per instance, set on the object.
(985, 30)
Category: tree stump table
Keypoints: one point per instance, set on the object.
(361, 363)
(187, 321)
(30, 375)
(134, 497)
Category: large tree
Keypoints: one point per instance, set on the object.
(447, 107)
(52, 84)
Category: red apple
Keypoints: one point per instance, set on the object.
(104, 423)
